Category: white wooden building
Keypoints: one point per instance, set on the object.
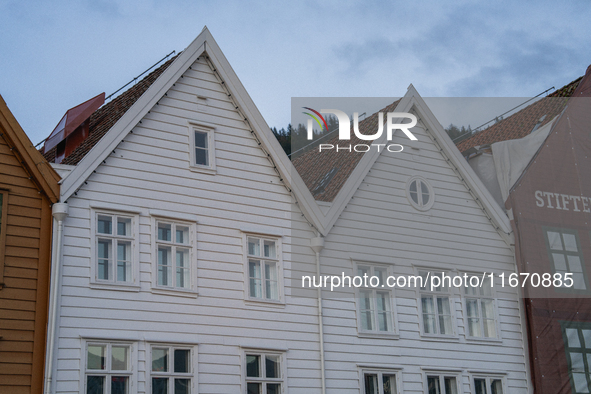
(187, 232)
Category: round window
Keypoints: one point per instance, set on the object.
(419, 193)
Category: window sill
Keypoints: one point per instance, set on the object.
(188, 293)
(483, 340)
(265, 303)
(204, 170)
(114, 286)
(439, 338)
(378, 334)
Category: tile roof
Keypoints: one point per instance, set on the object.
(523, 122)
(325, 173)
(105, 117)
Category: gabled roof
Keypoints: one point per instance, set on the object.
(325, 174)
(105, 117)
(115, 121)
(361, 164)
(40, 170)
(523, 122)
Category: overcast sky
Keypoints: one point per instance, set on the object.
(55, 55)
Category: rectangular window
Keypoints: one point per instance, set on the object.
(577, 341)
(480, 311)
(435, 307)
(375, 306)
(172, 370)
(108, 368)
(202, 148)
(487, 385)
(3, 218)
(442, 384)
(263, 373)
(566, 255)
(174, 254)
(115, 243)
(264, 270)
(379, 382)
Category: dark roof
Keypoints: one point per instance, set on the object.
(105, 117)
(325, 173)
(523, 122)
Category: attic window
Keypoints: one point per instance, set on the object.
(540, 121)
(202, 148)
(420, 193)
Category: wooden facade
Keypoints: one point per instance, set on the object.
(28, 187)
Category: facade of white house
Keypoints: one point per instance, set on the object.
(188, 230)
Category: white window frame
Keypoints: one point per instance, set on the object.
(380, 372)
(583, 349)
(434, 295)
(210, 131)
(262, 353)
(442, 375)
(420, 205)
(108, 371)
(191, 246)
(393, 331)
(479, 297)
(170, 374)
(489, 378)
(278, 260)
(132, 239)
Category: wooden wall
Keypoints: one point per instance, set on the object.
(24, 295)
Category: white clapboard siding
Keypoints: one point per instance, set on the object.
(380, 224)
(149, 170)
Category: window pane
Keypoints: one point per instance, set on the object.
(164, 232)
(496, 386)
(253, 388)
(159, 360)
(124, 226)
(371, 384)
(182, 268)
(413, 192)
(425, 193)
(159, 385)
(576, 360)
(383, 304)
(587, 338)
(164, 266)
(253, 366)
(254, 247)
(182, 386)
(366, 311)
(450, 385)
(443, 306)
(433, 385)
(181, 360)
(389, 382)
(271, 281)
(119, 384)
(570, 242)
(182, 235)
(580, 382)
(572, 336)
(269, 249)
(201, 157)
(200, 139)
(123, 261)
(95, 385)
(480, 386)
(96, 357)
(559, 262)
(254, 272)
(554, 240)
(104, 255)
(119, 358)
(272, 367)
(104, 225)
(273, 388)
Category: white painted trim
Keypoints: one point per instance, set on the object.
(210, 132)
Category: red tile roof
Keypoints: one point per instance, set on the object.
(105, 117)
(523, 122)
(313, 166)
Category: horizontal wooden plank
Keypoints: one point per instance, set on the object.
(20, 283)
(8, 368)
(11, 314)
(17, 294)
(16, 346)
(17, 357)
(22, 242)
